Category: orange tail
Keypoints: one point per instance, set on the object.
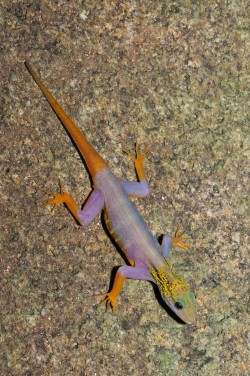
(93, 160)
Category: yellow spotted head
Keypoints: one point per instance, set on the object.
(175, 292)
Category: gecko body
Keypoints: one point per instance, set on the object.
(148, 259)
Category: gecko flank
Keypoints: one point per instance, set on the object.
(148, 259)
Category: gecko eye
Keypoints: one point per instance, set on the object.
(178, 305)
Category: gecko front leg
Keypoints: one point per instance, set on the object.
(133, 272)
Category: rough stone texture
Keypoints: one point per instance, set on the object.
(172, 75)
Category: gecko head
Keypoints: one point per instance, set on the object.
(183, 306)
(175, 293)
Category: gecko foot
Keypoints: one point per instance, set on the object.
(57, 199)
(178, 239)
(140, 155)
(110, 300)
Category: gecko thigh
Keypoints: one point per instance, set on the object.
(135, 188)
(92, 207)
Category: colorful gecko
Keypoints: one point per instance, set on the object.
(148, 259)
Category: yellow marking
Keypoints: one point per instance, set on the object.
(111, 230)
(171, 285)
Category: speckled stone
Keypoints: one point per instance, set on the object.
(172, 75)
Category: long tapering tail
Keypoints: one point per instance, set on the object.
(93, 160)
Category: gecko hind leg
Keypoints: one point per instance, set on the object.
(92, 207)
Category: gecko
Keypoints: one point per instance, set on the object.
(147, 258)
